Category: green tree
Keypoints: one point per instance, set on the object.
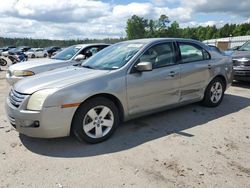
(174, 30)
(136, 27)
(163, 21)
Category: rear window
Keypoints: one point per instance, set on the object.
(192, 53)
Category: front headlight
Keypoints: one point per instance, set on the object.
(38, 98)
(22, 73)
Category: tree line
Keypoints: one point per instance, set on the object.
(42, 43)
(139, 27)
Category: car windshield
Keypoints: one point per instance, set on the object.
(67, 54)
(113, 57)
(245, 47)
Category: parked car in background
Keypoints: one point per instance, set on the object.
(73, 55)
(18, 57)
(52, 49)
(121, 82)
(215, 48)
(18, 50)
(241, 62)
(4, 50)
(56, 52)
(36, 52)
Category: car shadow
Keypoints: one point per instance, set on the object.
(241, 84)
(139, 131)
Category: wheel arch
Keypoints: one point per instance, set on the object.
(223, 78)
(220, 76)
(111, 97)
(114, 99)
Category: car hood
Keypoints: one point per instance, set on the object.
(58, 78)
(29, 65)
(241, 54)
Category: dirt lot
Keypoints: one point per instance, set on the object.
(192, 146)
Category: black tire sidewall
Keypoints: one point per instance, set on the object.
(77, 127)
(3, 62)
(207, 98)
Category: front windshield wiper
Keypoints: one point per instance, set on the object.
(243, 49)
(87, 66)
(55, 58)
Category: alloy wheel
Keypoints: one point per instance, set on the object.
(98, 121)
(216, 92)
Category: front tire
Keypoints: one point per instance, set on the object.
(214, 93)
(95, 120)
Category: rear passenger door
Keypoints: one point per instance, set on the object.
(195, 71)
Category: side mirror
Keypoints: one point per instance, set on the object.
(79, 57)
(144, 66)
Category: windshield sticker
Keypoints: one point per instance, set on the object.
(135, 45)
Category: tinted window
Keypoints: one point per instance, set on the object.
(191, 53)
(159, 55)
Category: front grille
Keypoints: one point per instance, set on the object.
(241, 73)
(241, 63)
(16, 98)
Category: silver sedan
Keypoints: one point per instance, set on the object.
(121, 82)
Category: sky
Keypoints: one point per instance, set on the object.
(79, 19)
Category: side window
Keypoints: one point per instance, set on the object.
(91, 51)
(192, 53)
(88, 52)
(159, 55)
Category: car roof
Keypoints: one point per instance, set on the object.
(91, 44)
(149, 40)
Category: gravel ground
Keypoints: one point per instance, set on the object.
(191, 146)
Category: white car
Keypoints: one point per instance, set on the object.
(36, 52)
(73, 55)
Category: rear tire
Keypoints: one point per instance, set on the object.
(95, 120)
(33, 56)
(214, 93)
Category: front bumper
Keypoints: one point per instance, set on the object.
(242, 73)
(53, 121)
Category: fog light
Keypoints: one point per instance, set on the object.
(28, 123)
(36, 124)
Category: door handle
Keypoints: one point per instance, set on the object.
(209, 66)
(172, 74)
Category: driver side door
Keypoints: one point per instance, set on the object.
(147, 91)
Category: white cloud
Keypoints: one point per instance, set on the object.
(239, 7)
(66, 19)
